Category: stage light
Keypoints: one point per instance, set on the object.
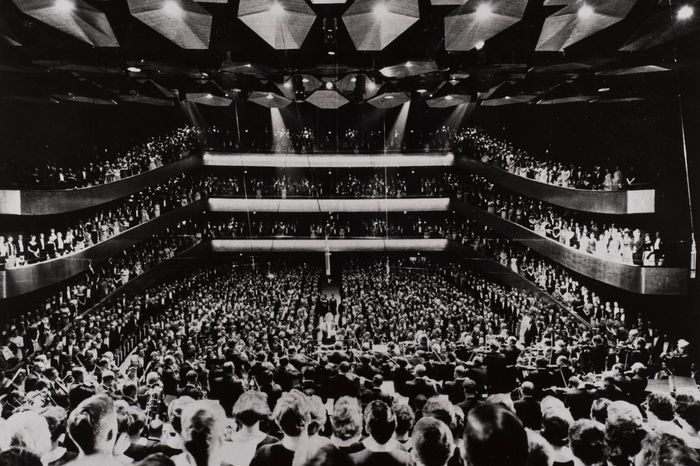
(277, 9)
(685, 12)
(329, 85)
(64, 6)
(172, 8)
(331, 52)
(448, 97)
(269, 96)
(305, 80)
(288, 85)
(133, 69)
(209, 96)
(479, 45)
(248, 65)
(483, 11)
(604, 89)
(409, 64)
(380, 9)
(421, 91)
(353, 79)
(585, 12)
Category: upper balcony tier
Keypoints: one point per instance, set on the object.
(639, 201)
(47, 202)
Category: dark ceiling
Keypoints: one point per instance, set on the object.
(40, 63)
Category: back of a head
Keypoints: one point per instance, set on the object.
(494, 436)
(317, 414)
(405, 418)
(203, 424)
(587, 441)
(19, 457)
(540, 452)
(432, 442)
(29, 430)
(251, 407)
(662, 405)
(292, 413)
(156, 459)
(440, 408)
(92, 425)
(346, 420)
(555, 426)
(624, 430)
(667, 450)
(175, 411)
(321, 453)
(599, 410)
(380, 421)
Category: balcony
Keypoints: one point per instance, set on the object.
(642, 201)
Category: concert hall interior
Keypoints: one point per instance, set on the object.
(349, 232)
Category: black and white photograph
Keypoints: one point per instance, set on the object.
(349, 232)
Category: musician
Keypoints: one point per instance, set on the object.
(401, 375)
(374, 392)
(226, 387)
(421, 384)
(343, 383)
(471, 396)
(528, 408)
(80, 389)
(498, 378)
(191, 387)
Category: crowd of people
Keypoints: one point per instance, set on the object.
(413, 362)
(106, 166)
(477, 143)
(604, 239)
(21, 249)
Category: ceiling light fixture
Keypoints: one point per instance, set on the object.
(483, 11)
(388, 97)
(479, 45)
(448, 97)
(172, 8)
(64, 6)
(685, 12)
(604, 89)
(277, 9)
(248, 65)
(331, 52)
(288, 85)
(305, 80)
(353, 79)
(380, 9)
(133, 69)
(585, 12)
(269, 96)
(409, 64)
(421, 91)
(329, 85)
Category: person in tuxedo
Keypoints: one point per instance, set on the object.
(471, 396)
(528, 408)
(191, 388)
(453, 388)
(420, 385)
(344, 382)
(226, 388)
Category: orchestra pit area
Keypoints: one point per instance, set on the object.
(349, 233)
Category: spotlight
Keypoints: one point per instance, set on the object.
(409, 64)
(353, 79)
(421, 91)
(448, 97)
(277, 9)
(604, 89)
(380, 9)
(248, 65)
(209, 96)
(329, 85)
(172, 8)
(305, 80)
(288, 85)
(479, 45)
(331, 53)
(685, 12)
(585, 12)
(133, 69)
(64, 6)
(269, 96)
(483, 11)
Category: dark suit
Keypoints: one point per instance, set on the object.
(420, 386)
(529, 411)
(342, 385)
(454, 391)
(469, 403)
